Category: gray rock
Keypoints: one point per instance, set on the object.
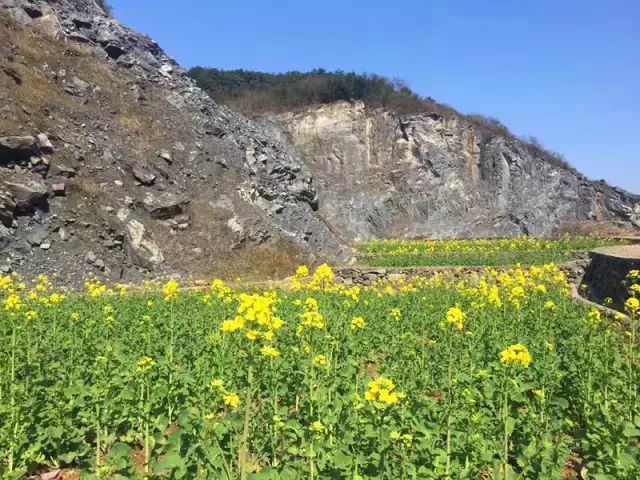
(163, 206)
(165, 155)
(380, 174)
(44, 144)
(634, 216)
(144, 176)
(37, 236)
(5, 236)
(90, 258)
(139, 248)
(7, 208)
(27, 195)
(16, 149)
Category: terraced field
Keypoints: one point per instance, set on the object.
(479, 252)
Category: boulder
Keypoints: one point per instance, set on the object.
(139, 248)
(17, 149)
(144, 176)
(43, 143)
(7, 207)
(27, 195)
(164, 206)
(62, 170)
(37, 236)
(5, 236)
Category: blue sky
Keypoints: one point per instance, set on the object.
(567, 72)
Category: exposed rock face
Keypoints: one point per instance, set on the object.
(141, 169)
(131, 137)
(379, 174)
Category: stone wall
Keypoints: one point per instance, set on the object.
(574, 271)
(608, 269)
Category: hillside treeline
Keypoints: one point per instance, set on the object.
(254, 93)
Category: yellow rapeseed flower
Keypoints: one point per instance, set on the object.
(381, 393)
(302, 271)
(539, 394)
(456, 317)
(317, 428)
(319, 361)
(145, 364)
(170, 289)
(13, 303)
(269, 352)
(516, 354)
(594, 316)
(632, 305)
(232, 325)
(232, 400)
(357, 322)
(253, 335)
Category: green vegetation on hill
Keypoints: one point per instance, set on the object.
(256, 92)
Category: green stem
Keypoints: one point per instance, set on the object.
(147, 400)
(450, 402)
(171, 365)
(12, 395)
(98, 439)
(505, 446)
(381, 449)
(242, 454)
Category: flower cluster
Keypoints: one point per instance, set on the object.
(632, 305)
(229, 399)
(256, 313)
(311, 317)
(170, 289)
(357, 323)
(381, 393)
(455, 317)
(145, 365)
(516, 354)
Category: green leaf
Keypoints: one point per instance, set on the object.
(170, 461)
(630, 430)
(342, 460)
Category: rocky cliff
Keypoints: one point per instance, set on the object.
(113, 161)
(380, 174)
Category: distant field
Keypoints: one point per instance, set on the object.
(484, 252)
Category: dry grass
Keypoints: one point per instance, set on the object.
(598, 229)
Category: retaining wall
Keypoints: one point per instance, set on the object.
(608, 269)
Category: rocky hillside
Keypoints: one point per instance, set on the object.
(113, 162)
(380, 174)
